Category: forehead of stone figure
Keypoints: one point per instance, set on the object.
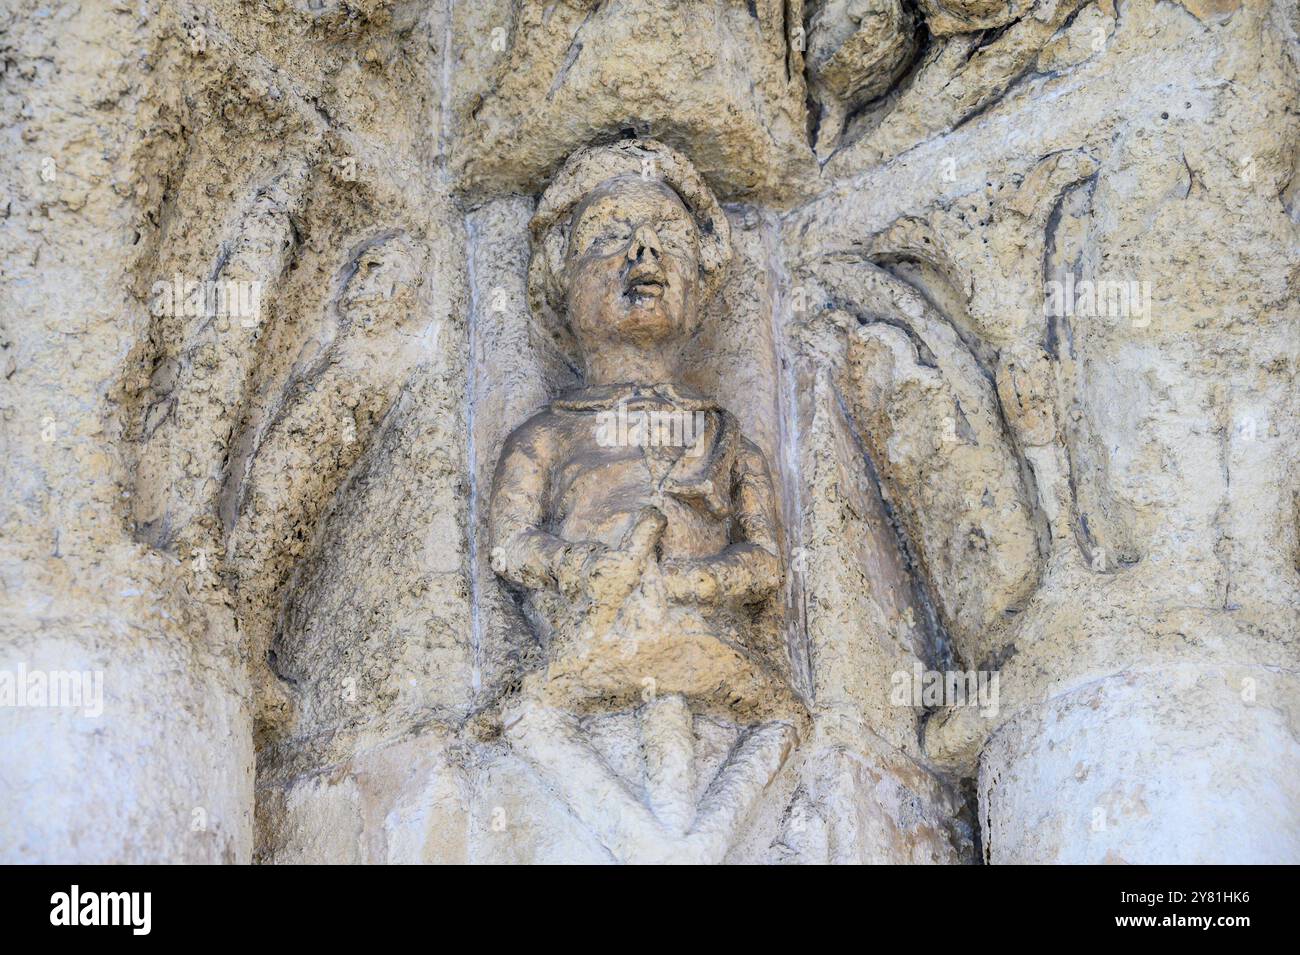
(610, 213)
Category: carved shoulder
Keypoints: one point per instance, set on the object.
(536, 438)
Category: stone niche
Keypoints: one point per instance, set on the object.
(516, 372)
(589, 787)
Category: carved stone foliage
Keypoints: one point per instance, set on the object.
(967, 66)
(731, 82)
(932, 424)
(287, 270)
(943, 17)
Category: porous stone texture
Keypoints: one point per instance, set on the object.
(170, 468)
(531, 81)
(1011, 317)
(1140, 430)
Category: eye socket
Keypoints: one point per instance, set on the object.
(611, 236)
(677, 236)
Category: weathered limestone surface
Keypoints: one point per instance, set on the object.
(164, 770)
(1142, 435)
(532, 81)
(1011, 318)
(165, 471)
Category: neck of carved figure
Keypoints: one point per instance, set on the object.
(634, 364)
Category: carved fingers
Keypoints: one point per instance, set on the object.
(606, 576)
(690, 581)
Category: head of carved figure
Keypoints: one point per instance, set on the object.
(628, 243)
(633, 266)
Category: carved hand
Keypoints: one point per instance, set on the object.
(743, 573)
(608, 575)
(689, 581)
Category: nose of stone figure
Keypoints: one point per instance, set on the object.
(645, 246)
(656, 282)
(645, 281)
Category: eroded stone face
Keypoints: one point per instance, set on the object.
(633, 270)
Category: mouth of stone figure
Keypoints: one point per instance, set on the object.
(644, 285)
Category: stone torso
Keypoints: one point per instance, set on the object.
(618, 452)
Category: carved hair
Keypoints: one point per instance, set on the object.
(583, 172)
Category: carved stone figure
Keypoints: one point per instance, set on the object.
(632, 492)
(1011, 303)
(636, 518)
